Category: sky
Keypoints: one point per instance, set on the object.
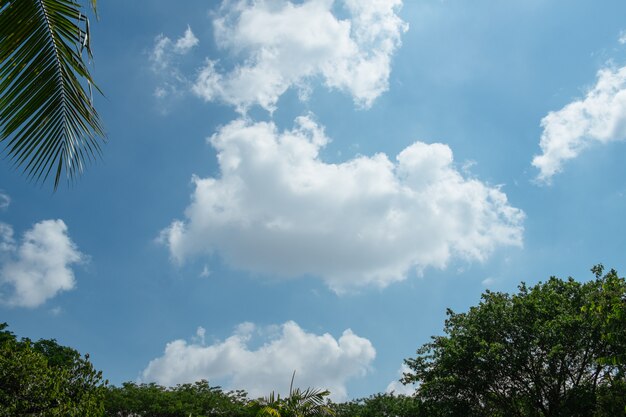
(308, 185)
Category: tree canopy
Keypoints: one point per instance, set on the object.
(549, 350)
(198, 399)
(46, 379)
(381, 405)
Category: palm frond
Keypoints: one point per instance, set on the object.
(48, 124)
(310, 402)
(268, 411)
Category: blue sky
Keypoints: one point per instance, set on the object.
(309, 185)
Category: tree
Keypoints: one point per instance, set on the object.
(47, 120)
(609, 307)
(26, 384)
(198, 399)
(46, 379)
(381, 405)
(535, 353)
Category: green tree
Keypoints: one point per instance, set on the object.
(48, 123)
(198, 399)
(44, 379)
(381, 405)
(609, 307)
(26, 383)
(535, 353)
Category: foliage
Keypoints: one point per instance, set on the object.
(310, 402)
(185, 400)
(47, 119)
(536, 353)
(46, 379)
(381, 405)
(611, 399)
(609, 307)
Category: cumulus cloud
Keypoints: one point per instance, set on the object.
(320, 361)
(163, 60)
(283, 44)
(599, 117)
(622, 37)
(398, 388)
(278, 209)
(5, 200)
(38, 267)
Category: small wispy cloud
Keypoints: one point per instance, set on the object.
(488, 282)
(165, 49)
(185, 42)
(206, 272)
(5, 200)
(56, 311)
(164, 59)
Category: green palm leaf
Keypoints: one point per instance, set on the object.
(47, 120)
(307, 403)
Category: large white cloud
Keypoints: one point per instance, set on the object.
(283, 44)
(599, 117)
(320, 361)
(278, 209)
(39, 267)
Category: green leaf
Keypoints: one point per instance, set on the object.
(48, 123)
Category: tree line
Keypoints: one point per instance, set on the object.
(554, 349)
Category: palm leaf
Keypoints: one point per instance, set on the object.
(47, 120)
(310, 402)
(268, 411)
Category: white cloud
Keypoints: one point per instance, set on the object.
(600, 117)
(282, 44)
(206, 272)
(164, 61)
(164, 48)
(488, 282)
(320, 361)
(622, 37)
(186, 42)
(40, 266)
(5, 200)
(278, 209)
(398, 388)
(199, 337)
